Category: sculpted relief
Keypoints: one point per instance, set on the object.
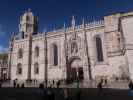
(74, 45)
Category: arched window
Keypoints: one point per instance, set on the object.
(36, 68)
(99, 49)
(55, 55)
(20, 53)
(19, 69)
(36, 51)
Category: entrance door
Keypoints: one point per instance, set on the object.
(80, 73)
(3, 74)
(76, 70)
(73, 74)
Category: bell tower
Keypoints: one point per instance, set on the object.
(28, 24)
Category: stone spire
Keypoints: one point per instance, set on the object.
(73, 22)
(64, 27)
(83, 22)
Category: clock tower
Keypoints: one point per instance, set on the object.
(28, 24)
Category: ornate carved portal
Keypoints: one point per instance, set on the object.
(75, 70)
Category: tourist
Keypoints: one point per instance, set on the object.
(130, 85)
(58, 83)
(99, 86)
(41, 85)
(17, 85)
(105, 82)
(53, 82)
(22, 86)
(14, 83)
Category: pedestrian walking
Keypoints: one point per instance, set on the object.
(14, 83)
(106, 83)
(130, 85)
(58, 83)
(99, 86)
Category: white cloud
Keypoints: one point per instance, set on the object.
(3, 49)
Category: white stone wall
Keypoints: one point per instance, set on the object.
(38, 42)
(56, 72)
(127, 23)
(115, 60)
(15, 60)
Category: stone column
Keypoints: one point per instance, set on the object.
(46, 61)
(87, 53)
(29, 58)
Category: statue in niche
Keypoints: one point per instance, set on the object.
(74, 47)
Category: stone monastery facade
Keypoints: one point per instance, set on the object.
(88, 51)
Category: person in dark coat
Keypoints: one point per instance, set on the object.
(58, 84)
(14, 83)
(53, 82)
(130, 85)
(22, 86)
(106, 83)
(99, 86)
(18, 86)
(0, 84)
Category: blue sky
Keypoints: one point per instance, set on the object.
(53, 13)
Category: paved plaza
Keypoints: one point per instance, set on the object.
(85, 94)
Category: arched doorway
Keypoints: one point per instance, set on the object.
(75, 70)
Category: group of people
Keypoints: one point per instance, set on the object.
(103, 82)
(55, 83)
(16, 84)
(130, 85)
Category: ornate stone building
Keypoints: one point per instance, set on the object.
(92, 50)
(3, 66)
